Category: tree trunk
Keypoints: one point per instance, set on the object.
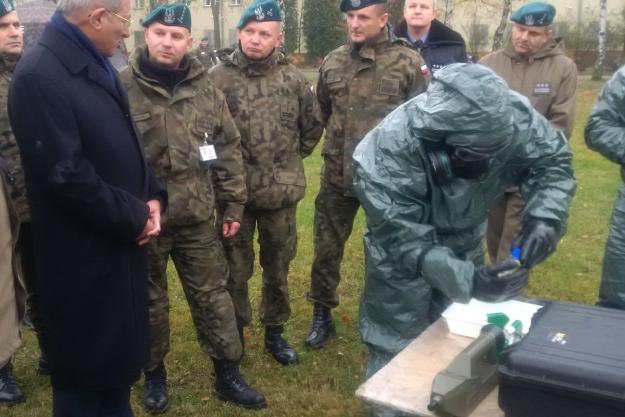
(283, 26)
(597, 73)
(449, 12)
(498, 37)
(283, 12)
(216, 10)
(395, 11)
(623, 20)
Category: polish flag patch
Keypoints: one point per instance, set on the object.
(425, 70)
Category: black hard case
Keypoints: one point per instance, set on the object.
(570, 364)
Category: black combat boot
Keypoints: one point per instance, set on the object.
(10, 392)
(231, 387)
(278, 347)
(322, 328)
(155, 395)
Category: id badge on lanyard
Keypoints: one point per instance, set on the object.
(207, 153)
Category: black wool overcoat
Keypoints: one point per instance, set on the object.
(87, 183)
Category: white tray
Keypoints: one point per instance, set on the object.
(468, 319)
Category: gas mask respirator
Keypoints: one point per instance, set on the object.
(449, 162)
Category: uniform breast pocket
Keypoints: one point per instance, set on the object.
(387, 94)
(542, 97)
(389, 87)
(337, 86)
(289, 111)
(203, 127)
(143, 121)
(154, 139)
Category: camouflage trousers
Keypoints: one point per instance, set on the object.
(334, 220)
(198, 256)
(277, 238)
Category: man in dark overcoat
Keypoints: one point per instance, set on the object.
(94, 204)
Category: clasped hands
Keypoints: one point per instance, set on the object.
(153, 225)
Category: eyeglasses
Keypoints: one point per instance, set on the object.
(127, 21)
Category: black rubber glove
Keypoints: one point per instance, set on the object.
(499, 282)
(537, 240)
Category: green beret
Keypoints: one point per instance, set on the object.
(6, 7)
(534, 14)
(261, 11)
(174, 14)
(347, 5)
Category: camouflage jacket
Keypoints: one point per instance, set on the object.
(173, 127)
(275, 111)
(357, 88)
(8, 145)
(548, 78)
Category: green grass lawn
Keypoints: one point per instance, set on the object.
(325, 381)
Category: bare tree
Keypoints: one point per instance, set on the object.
(283, 13)
(623, 34)
(597, 73)
(449, 12)
(477, 35)
(216, 11)
(395, 11)
(505, 12)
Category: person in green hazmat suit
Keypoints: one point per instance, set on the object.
(605, 133)
(426, 176)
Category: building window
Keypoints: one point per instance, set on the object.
(139, 4)
(209, 3)
(234, 3)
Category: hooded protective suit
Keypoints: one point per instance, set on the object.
(605, 133)
(423, 235)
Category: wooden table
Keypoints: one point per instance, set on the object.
(405, 383)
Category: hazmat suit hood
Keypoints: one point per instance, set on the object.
(476, 112)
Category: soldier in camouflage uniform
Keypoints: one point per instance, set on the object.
(205, 55)
(11, 288)
(274, 108)
(193, 145)
(359, 84)
(11, 44)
